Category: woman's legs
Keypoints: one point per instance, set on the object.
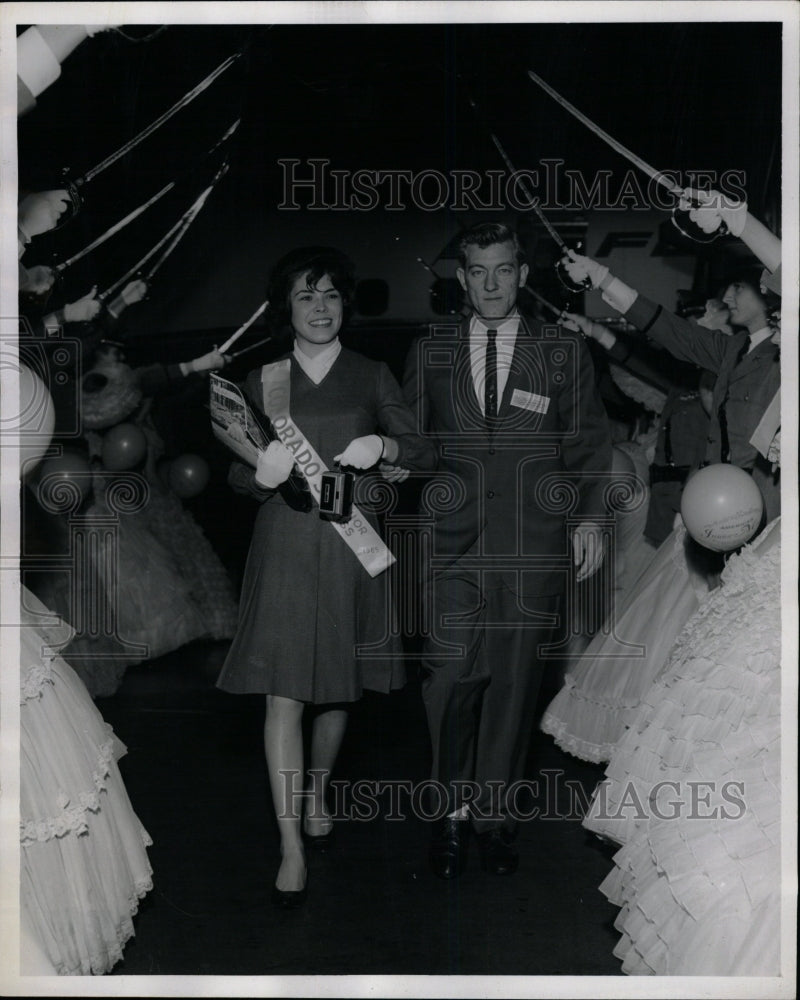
(283, 746)
(326, 737)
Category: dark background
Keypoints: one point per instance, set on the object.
(682, 96)
(696, 96)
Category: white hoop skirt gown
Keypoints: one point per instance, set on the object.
(83, 858)
(604, 687)
(698, 877)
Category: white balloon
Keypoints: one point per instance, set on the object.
(721, 507)
(35, 422)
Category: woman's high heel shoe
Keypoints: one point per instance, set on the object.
(289, 900)
(320, 841)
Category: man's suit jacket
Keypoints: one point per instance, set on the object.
(748, 386)
(547, 456)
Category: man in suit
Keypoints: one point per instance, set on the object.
(746, 365)
(525, 450)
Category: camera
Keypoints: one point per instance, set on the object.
(336, 496)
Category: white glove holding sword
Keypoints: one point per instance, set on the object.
(709, 209)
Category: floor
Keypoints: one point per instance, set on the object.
(195, 774)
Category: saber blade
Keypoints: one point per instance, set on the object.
(540, 298)
(60, 268)
(251, 347)
(637, 161)
(186, 99)
(243, 328)
(531, 198)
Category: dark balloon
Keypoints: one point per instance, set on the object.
(188, 475)
(124, 446)
(69, 469)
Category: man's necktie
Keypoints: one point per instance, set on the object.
(722, 414)
(490, 384)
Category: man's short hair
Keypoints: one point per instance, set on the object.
(486, 234)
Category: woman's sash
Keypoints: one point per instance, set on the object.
(357, 533)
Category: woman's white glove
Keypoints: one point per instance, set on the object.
(583, 325)
(580, 268)
(275, 464)
(208, 362)
(362, 453)
(37, 279)
(714, 209)
(84, 310)
(39, 212)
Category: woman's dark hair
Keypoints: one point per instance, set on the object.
(317, 261)
(751, 276)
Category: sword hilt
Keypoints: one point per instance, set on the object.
(75, 200)
(690, 229)
(574, 287)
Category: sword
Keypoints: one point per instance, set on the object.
(245, 326)
(565, 280)
(657, 175)
(173, 236)
(540, 298)
(73, 186)
(60, 268)
(534, 202)
(252, 347)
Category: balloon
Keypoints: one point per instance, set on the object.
(188, 475)
(36, 421)
(69, 469)
(124, 446)
(721, 507)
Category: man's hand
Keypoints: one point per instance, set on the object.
(587, 549)
(275, 464)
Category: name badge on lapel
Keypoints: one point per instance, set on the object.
(530, 401)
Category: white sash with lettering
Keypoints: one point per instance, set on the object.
(358, 533)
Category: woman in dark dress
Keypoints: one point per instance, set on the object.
(310, 595)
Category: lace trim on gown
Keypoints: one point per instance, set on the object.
(700, 894)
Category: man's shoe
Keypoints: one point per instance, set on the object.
(498, 854)
(448, 851)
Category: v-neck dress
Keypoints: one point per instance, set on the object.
(307, 603)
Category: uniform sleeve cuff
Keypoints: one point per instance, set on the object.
(37, 67)
(617, 294)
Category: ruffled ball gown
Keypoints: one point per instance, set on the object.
(84, 864)
(604, 686)
(134, 603)
(210, 586)
(120, 395)
(693, 790)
